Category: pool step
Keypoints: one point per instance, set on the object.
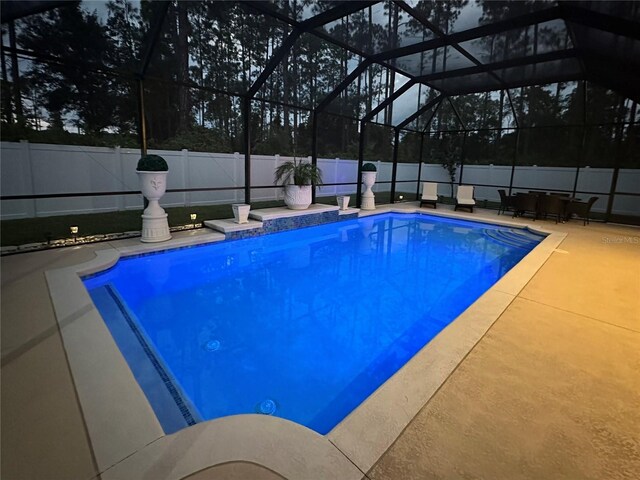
(514, 238)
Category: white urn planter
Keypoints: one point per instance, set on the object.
(155, 226)
(343, 201)
(241, 212)
(368, 198)
(297, 197)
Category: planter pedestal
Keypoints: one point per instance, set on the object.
(155, 226)
(368, 198)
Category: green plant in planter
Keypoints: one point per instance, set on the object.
(298, 173)
(152, 163)
(369, 167)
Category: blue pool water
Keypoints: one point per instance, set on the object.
(303, 324)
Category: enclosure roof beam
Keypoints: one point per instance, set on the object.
(472, 33)
(613, 73)
(425, 21)
(515, 62)
(601, 21)
(160, 9)
(433, 114)
(343, 85)
(339, 11)
(569, 77)
(342, 10)
(457, 114)
(262, 8)
(420, 112)
(388, 101)
(14, 9)
(274, 61)
(357, 51)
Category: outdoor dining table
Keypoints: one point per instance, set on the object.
(540, 212)
(567, 201)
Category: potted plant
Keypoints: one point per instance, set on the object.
(369, 173)
(152, 175)
(297, 177)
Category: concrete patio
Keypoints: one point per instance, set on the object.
(551, 391)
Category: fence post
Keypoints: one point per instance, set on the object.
(236, 181)
(184, 156)
(120, 171)
(277, 161)
(31, 207)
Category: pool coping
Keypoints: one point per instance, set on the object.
(128, 441)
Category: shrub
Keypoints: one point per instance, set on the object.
(152, 163)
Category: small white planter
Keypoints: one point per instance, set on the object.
(343, 201)
(155, 226)
(297, 198)
(368, 198)
(241, 212)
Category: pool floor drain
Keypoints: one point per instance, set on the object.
(212, 345)
(266, 407)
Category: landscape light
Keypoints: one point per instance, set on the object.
(74, 232)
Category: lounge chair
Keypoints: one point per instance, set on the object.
(464, 197)
(429, 194)
(582, 209)
(506, 201)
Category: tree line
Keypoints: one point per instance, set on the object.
(70, 75)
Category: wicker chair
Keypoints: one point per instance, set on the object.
(526, 202)
(506, 201)
(582, 209)
(551, 205)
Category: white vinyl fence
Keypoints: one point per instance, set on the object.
(43, 169)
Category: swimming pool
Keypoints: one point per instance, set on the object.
(303, 324)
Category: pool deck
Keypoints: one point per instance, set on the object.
(550, 390)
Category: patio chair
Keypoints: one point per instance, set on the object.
(582, 209)
(526, 202)
(551, 205)
(429, 194)
(464, 197)
(506, 201)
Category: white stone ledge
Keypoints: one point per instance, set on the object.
(228, 225)
(283, 212)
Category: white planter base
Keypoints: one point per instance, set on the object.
(343, 201)
(241, 212)
(155, 228)
(368, 202)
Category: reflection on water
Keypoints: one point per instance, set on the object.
(314, 319)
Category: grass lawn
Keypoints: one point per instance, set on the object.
(42, 229)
